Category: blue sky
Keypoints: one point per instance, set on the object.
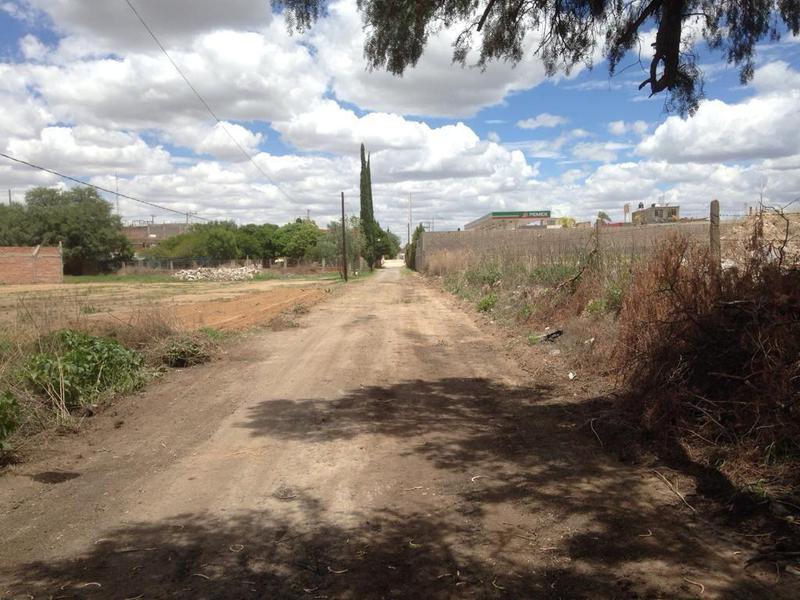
(88, 93)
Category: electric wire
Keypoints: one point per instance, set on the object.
(205, 104)
(101, 188)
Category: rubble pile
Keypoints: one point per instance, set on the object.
(781, 233)
(217, 274)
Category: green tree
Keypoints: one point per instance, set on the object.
(325, 249)
(78, 218)
(387, 244)
(218, 240)
(220, 244)
(355, 238)
(603, 217)
(266, 239)
(571, 32)
(297, 240)
(411, 249)
(15, 225)
(566, 222)
(248, 242)
(369, 227)
(221, 240)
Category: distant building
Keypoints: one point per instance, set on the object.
(149, 235)
(655, 213)
(513, 219)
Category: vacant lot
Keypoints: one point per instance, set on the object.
(221, 305)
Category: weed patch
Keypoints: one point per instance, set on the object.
(76, 368)
(185, 351)
(487, 303)
(10, 417)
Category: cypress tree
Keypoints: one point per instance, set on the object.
(370, 211)
(368, 225)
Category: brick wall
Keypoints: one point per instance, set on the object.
(25, 264)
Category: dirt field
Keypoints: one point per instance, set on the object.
(225, 306)
(387, 448)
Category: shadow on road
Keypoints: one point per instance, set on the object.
(594, 530)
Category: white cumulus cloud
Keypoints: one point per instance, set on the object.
(545, 120)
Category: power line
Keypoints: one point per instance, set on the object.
(97, 187)
(204, 103)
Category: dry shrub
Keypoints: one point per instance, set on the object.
(144, 327)
(712, 359)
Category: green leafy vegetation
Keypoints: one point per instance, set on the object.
(78, 218)
(185, 351)
(215, 335)
(576, 32)
(411, 249)
(10, 417)
(299, 241)
(46, 377)
(377, 242)
(368, 224)
(224, 240)
(596, 306)
(487, 303)
(77, 368)
(552, 273)
(487, 274)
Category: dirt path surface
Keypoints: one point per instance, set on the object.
(387, 448)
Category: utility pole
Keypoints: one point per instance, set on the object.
(9, 196)
(409, 218)
(308, 213)
(344, 242)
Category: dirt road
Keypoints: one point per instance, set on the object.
(387, 448)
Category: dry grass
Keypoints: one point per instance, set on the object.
(441, 252)
(708, 358)
(711, 359)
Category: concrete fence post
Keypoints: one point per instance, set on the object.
(715, 247)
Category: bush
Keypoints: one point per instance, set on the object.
(596, 306)
(552, 274)
(488, 274)
(77, 367)
(712, 358)
(487, 303)
(613, 297)
(10, 417)
(184, 351)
